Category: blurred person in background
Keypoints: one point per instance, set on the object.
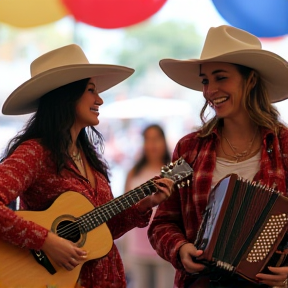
(143, 266)
(59, 150)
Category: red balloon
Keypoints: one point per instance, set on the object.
(112, 13)
(272, 39)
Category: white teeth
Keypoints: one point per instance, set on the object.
(219, 100)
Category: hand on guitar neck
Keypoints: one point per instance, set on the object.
(164, 190)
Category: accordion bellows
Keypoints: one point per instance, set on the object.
(242, 228)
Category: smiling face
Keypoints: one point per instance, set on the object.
(87, 107)
(223, 88)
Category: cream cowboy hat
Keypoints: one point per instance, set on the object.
(232, 45)
(57, 68)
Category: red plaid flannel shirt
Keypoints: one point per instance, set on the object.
(177, 220)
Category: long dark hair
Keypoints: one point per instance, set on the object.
(51, 125)
(143, 159)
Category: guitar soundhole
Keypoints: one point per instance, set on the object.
(68, 230)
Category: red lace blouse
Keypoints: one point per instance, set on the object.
(31, 174)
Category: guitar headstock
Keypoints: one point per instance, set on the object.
(177, 171)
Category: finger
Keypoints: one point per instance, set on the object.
(272, 277)
(81, 253)
(191, 266)
(198, 253)
(279, 270)
(163, 193)
(192, 250)
(73, 262)
(68, 266)
(187, 259)
(272, 280)
(165, 188)
(164, 182)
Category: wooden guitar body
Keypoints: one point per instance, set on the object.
(18, 267)
(73, 217)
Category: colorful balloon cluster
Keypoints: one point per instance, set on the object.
(99, 13)
(264, 18)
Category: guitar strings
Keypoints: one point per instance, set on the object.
(69, 229)
(97, 211)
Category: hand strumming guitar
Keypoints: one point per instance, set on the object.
(63, 252)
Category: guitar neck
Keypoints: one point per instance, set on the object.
(176, 171)
(105, 212)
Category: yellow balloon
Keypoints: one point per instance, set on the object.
(31, 13)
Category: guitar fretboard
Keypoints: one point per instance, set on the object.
(102, 214)
(176, 171)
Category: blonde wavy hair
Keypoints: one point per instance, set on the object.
(256, 102)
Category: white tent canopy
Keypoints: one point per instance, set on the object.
(146, 107)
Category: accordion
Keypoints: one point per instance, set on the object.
(243, 228)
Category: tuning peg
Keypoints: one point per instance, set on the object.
(171, 165)
(165, 168)
(181, 185)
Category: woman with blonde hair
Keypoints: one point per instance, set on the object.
(240, 81)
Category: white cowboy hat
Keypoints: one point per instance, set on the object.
(57, 68)
(232, 45)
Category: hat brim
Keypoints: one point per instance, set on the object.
(25, 98)
(272, 68)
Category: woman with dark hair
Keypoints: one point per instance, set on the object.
(145, 267)
(59, 150)
(155, 149)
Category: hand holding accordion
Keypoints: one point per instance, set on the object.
(243, 225)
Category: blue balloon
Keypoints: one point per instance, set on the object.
(263, 18)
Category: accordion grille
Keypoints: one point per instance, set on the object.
(267, 238)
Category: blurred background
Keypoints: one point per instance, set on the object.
(136, 34)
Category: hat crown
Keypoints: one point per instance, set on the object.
(226, 39)
(67, 55)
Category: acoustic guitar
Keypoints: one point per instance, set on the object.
(73, 217)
